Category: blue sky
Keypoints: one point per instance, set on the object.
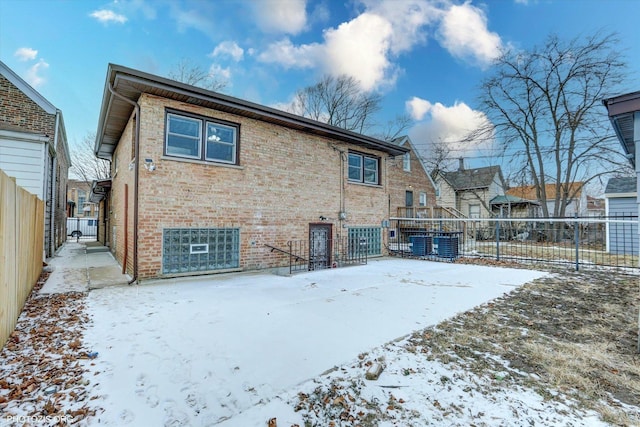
(427, 57)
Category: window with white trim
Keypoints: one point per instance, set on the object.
(406, 162)
(200, 138)
(363, 168)
(474, 211)
(423, 198)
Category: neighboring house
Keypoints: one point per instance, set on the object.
(78, 203)
(506, 206)
(621, 203)
(576, 204)
(469, 191)
(411, 188)
(33, 150)
(595, 206)
(624, 114)
(203, 182)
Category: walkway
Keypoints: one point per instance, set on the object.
(81, 266)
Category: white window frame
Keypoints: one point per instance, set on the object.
(423, 199)
(204, 124)
(406, 162)
(473, 214)
(363, 167)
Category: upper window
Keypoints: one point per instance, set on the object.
(185, 139)
(406, 162)
(423, 199)
(363, 168)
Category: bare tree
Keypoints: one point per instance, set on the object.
(338, 101)
(439, 157)
(85, 165)
(395, 127)
(545, 108)
(187, 72)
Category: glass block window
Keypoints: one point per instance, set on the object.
(373, 235)
(189, 250)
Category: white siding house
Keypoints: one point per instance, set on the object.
(621, 204)
(22, 156)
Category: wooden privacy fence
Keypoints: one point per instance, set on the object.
(21, 250)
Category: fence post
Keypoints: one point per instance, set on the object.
(497, 240)
(576, 237)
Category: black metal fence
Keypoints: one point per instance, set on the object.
(580, 242)
(308, 255)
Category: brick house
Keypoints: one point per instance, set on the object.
(410, 185)
(203, 182)
(34, 151)
(78, 203)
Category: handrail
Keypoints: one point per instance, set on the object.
(274, 248)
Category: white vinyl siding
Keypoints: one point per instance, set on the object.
(25, 161)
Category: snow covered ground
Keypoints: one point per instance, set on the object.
(238, 349)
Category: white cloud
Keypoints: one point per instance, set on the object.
(464, 33)
(446, 124)
(228, 48)
(366, 46)
(26, 54)
(288, 55)
(106, 16)
(219, 73)
(359, 48)
(418, 107)
(281, 16)
(33, 75)
(408, 19)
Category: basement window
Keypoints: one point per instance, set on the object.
(189, 250)
(371, 235)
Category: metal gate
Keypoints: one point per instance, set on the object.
(82, 227)
(319, 246)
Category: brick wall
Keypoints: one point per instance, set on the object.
(401, 181)
(17, 110)
(122, 176)
(286, 180)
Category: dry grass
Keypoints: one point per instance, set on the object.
(552, 252)
(572, 335)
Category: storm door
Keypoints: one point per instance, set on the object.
(319, 246)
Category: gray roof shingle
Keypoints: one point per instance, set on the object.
(622, 185)
(467, 179)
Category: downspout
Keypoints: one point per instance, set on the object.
(136, 154)
(54, 177)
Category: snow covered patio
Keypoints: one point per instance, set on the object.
(226, 349)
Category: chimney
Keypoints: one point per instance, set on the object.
(461, 164)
